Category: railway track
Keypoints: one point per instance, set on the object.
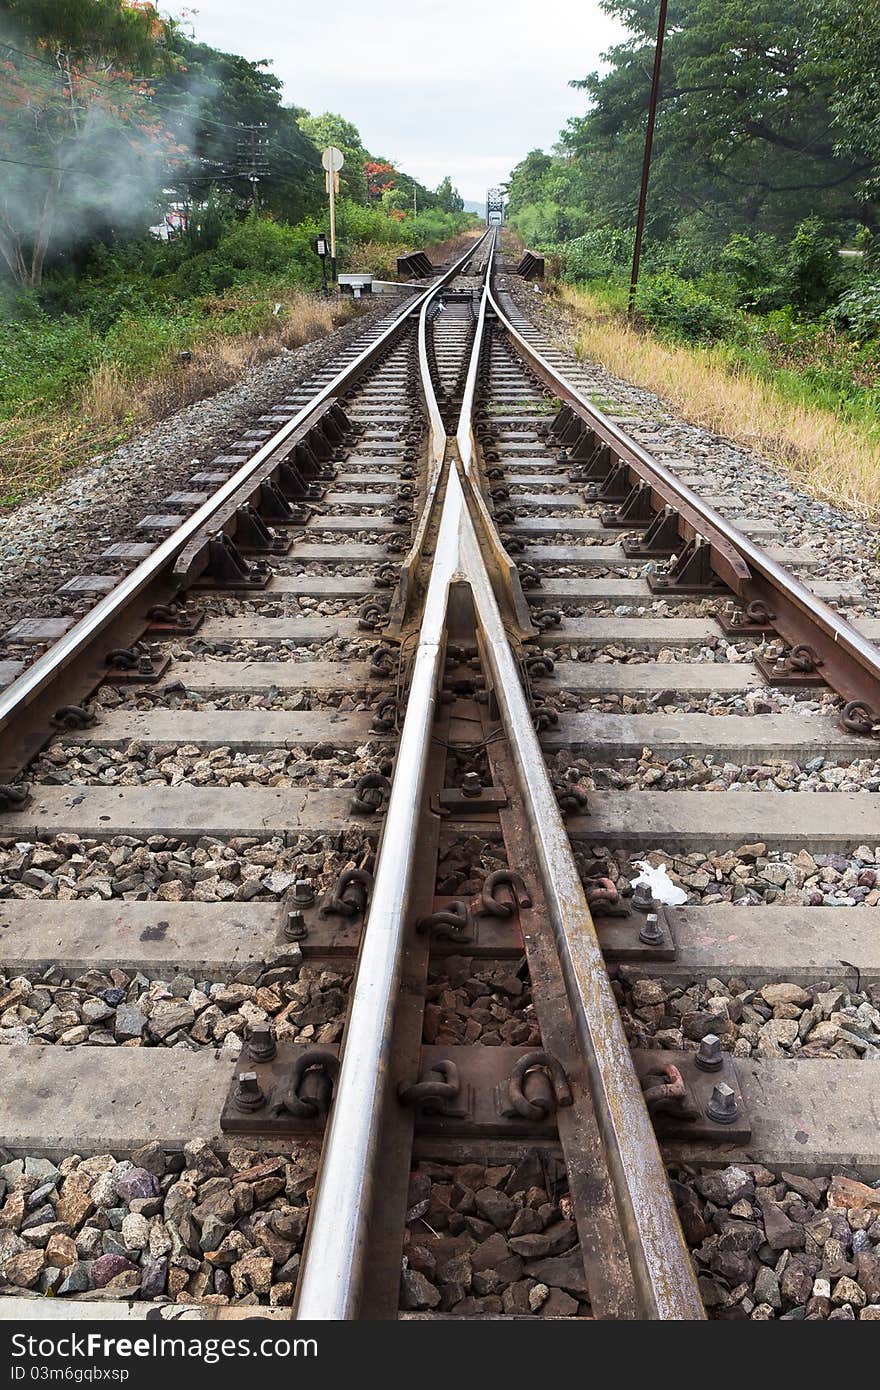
(322, 908)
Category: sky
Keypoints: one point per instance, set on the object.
(459, 87)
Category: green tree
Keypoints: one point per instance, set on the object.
(529, 181)
(851, 47)
(220, 101)
(331, 129)
(105, 32)
(448, 198)
(745, 126)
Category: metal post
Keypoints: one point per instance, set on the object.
(646, 162)
(331, 180)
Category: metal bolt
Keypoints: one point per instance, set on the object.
(471, 784)
(652, 932)
(303, 892)
(722, 1107)
(261, 1042)
(248, 1094)
(642, 899)
(295, 928)
(709, 1055)
(145, 665)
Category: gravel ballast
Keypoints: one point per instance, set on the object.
(779, 1245)
(47, 540)
(847, 544)
(194, 1227)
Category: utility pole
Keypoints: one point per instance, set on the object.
(646, 162)
(252, 155)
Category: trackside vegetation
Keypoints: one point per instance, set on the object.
(761, 262)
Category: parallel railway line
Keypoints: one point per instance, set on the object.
(354, 833)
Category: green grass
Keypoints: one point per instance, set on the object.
(807, 362)
(96, 353)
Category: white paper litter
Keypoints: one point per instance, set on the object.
(663, 890)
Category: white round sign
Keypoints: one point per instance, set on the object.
(332, 159)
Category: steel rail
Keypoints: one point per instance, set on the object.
(333, 1269)
(792, 591)
(333, 1264)
(663, 1273)
(38, 675)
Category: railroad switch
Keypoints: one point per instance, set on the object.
(633, 937)
(755, 620)
(280, 1088)
(499, 1092)
(140, 664)
(174, 619)
(799, 667)
(690, 573)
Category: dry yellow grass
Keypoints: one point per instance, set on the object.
(36, 451)
(110, 397)
(828, 456)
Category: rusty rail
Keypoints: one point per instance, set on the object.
(334, 1266)
(847, 660)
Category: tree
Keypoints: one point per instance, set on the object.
(745, 126)
(376, 172)
(448, 198)
(216, 101)
(331, 129)
(528, 181)
(852, 48)
(81, 145)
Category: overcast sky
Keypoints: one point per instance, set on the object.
(464, 87)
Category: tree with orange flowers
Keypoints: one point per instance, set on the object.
(81, 147)
(377, 173)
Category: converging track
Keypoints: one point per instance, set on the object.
(317, 836)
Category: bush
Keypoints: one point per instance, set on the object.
(681, 309)
(758, 268)
(691, 253)
(813, 266)
(43, 360)
(542, 225)
(433, 226)
(260, 247)
(859, 310)
(371, 226)
(598, 253)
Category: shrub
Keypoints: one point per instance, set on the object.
(598, 253)
(813, 267)
(691, 253)
(545, 224)
(374, 256)
(259, 246)
(433, 226)
(758, 269)
(682, 310)
(859, 310)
